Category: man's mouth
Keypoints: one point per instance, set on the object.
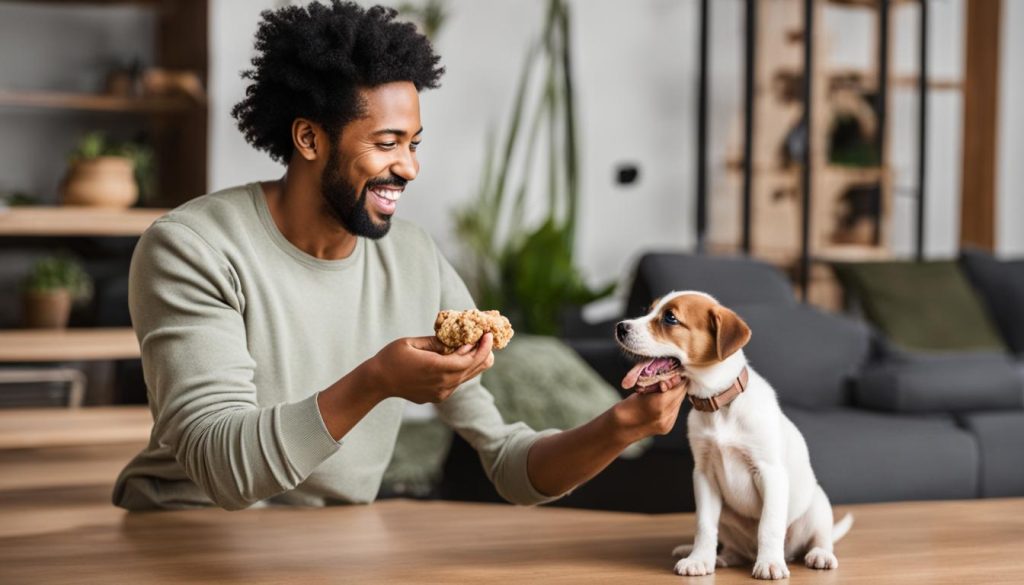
(650, 371)
(385, 198)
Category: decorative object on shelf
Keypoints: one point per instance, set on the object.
(55, 283)
(527, 271)
(17, 199)
(103, 173)
(136, 81)
(853, 132)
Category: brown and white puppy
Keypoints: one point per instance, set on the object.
(754, 487)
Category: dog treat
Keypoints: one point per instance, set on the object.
(458, 328)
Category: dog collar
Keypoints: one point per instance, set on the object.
(722, 399)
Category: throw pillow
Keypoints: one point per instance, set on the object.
(1001, 284)
(921, 305)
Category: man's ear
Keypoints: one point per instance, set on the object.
(309, 139)
(730, 332)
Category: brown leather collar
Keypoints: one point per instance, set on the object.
(723, 398)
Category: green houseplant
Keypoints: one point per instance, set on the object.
(105, 173)
(53, 285)
(528, 271)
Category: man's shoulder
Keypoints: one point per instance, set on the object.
(215, 215)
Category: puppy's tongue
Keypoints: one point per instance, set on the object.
(634, 374)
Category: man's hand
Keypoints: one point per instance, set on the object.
(415, 368)
(651, 411)
(559, 462)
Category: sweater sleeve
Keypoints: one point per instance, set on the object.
(186, 309)
(470, 411)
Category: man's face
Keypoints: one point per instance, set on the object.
(369, 167)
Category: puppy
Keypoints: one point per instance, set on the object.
(755, 490)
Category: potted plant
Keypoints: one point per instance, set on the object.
(54, 284)
(102, 173)
(528, 270)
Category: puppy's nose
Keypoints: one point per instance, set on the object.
(621, 330)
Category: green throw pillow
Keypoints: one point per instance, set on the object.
(538, 380)
(921, 305)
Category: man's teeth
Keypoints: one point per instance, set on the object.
(389, 194)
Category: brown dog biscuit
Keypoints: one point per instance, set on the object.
(458, 328)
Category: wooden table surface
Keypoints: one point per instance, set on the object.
(57, 526)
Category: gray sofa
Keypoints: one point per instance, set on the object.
(880, 425)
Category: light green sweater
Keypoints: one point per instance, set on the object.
(240, 330)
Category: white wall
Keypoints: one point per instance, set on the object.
(1010, 178)
(635, 74)
(636, 81)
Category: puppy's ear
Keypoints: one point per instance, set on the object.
(730, 332)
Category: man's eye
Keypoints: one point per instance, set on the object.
(670, 319)
(387, 145)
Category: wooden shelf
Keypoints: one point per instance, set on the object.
(35, 428)
(69, 345)
(89, 102)
(851, 253)
(911, 81)
(76, 221)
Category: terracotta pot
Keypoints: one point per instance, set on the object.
(106, 181)
(47, 309)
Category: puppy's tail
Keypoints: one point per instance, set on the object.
(682, 550)
(840, 528)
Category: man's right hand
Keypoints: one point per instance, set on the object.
(415, 368)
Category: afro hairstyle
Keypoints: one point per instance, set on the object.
(311, 62)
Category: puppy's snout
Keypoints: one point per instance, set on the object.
(621, 330)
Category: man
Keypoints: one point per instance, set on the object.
(282, 323)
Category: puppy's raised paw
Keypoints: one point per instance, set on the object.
(819, 558)
(692, 567)
(770, 569)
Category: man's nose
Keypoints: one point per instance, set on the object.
(406, 167)
(621, 330)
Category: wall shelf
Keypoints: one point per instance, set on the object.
(89, 102)
(68, 345)
(76, 221)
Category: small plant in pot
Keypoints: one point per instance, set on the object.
(102, 173)
(54, 284)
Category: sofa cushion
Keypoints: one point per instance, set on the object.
(731, 280)
(861, 456)
(958, 382)
(921, 305)
(808, 356)
(1000, 437)
(1001, 284)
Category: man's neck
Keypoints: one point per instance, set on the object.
(299, 214)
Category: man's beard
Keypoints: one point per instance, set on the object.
(347, 208)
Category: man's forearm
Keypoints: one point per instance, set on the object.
(345, 403)
(558, 463)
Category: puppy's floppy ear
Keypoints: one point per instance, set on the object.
(730, 332)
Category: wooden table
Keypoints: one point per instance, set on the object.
(57, 526)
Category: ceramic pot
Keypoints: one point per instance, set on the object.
(105, 181)
(48, 309)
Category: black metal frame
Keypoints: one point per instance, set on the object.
(748, 126)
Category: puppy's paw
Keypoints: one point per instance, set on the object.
(819, 558)
(695, 567)
(770, 569)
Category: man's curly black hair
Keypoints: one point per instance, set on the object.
(311, 62)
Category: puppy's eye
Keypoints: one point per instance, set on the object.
(669, 319)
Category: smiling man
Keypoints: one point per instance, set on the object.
(282, 323)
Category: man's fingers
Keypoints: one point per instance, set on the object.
(427, 343)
